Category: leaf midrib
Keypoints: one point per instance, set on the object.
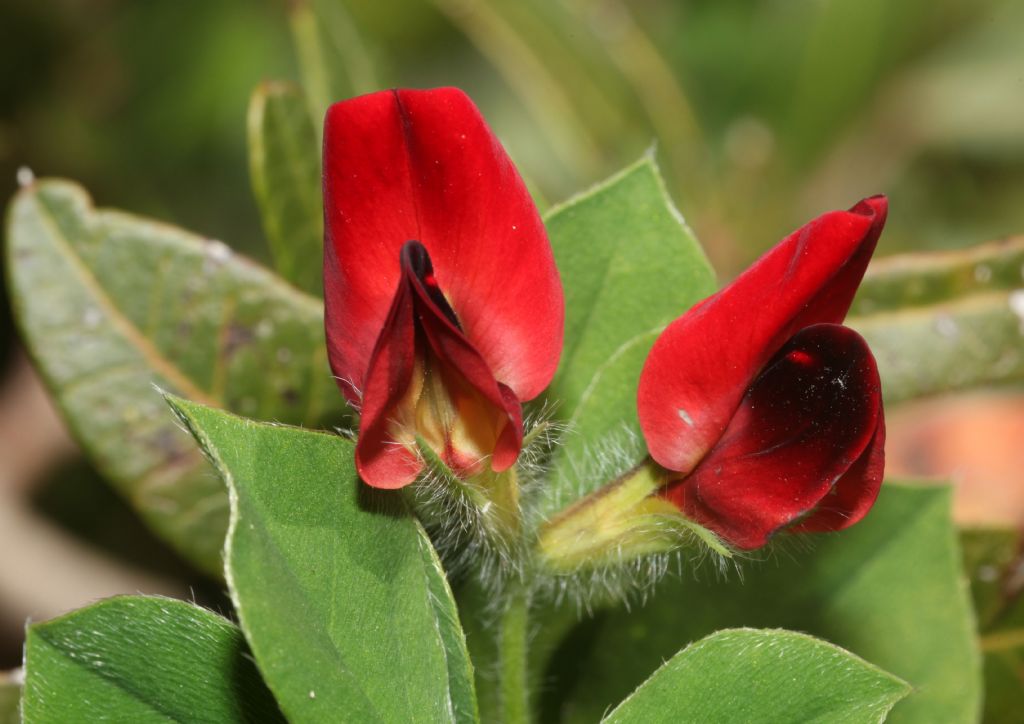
(116, 319)
(272, 546)
(117, 681)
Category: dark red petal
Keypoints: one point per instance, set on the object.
(423, 165)
(852, 497)
(806, 422)
(420, 326)
(702, 364)
(382, 461)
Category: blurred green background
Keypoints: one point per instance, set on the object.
(764, 115)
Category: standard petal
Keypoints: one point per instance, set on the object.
(807, 421)
(423, 165)
(702, 364)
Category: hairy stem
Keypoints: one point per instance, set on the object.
(512, 646)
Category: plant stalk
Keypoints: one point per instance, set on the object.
(513, 650)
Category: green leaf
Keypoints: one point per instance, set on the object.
(142, 659)
(994, 560)
(336, 586)
(10, 699)
(629, 266)
(967, 342)
(284, 162)
(925, 278)
(889, 589)
(110, 304)
(942, 321)
(747, 675)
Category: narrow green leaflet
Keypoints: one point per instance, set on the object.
(746, 675)
(925, 278)
(338, 590)
(994, 559)
(111, 304)
(941, 321)
(334, 56)
(10, 699)
(890, 589)
(284, 163)
(142, 659)
(629, 266)
(967, 342)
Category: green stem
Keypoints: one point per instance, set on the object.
(623, 520)
(514, 632)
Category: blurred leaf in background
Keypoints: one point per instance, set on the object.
(191, 317)
(146, 103)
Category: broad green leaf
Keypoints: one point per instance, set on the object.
(284, 162)
(142, 659)
(994, 561)
(629, 266)
(10, 699)
(479, 621)
(336, 586)
(746, 675)
(889, 589)
(111, 304)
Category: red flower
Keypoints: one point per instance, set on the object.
(444, 309)
(765, 409)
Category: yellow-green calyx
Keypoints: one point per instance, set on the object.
(491, 499)
(619, 522)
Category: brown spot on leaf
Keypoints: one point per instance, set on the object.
(237, 336)
(173, 447)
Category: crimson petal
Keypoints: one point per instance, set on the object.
(702, 364)
(808, 433)
(402, 165)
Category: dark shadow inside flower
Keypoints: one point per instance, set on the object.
(426, 379)
(802, 443)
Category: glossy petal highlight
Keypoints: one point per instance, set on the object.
(703, 363)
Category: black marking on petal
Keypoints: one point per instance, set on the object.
(415, 260)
